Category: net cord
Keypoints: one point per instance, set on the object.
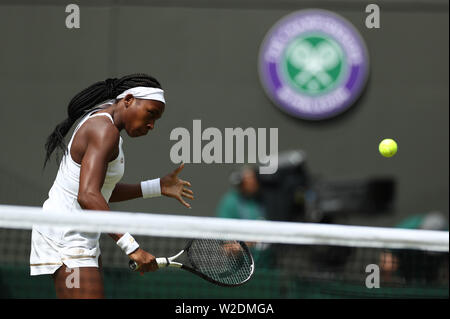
(164, 225)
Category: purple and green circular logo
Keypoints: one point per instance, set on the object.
(313, 64)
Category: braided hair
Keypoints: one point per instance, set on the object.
(87, 99)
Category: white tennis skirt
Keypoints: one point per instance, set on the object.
(47, 255)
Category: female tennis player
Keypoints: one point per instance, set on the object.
(88, 178)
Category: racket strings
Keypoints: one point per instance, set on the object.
(227, 262)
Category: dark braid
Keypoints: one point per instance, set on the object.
(86, 100)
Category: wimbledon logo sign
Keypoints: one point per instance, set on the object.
(313, 64)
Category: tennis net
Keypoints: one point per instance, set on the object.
(292, 260)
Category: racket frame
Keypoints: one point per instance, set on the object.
(164, 262)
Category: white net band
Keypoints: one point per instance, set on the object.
(23, 217)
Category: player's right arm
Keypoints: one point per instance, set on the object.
(101, 143)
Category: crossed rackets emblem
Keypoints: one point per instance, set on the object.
(314, 63)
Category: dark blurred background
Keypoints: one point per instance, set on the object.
(205, 55)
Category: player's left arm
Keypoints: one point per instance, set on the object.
(123, 192)
(171, 186)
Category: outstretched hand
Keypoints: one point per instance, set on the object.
(172, 186)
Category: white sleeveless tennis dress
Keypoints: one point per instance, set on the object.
(53, 246)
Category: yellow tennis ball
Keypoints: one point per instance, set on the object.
(388, 147)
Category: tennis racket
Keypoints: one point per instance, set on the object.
(226, 263)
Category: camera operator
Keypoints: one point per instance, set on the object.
(245, 202)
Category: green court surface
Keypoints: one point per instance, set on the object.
(15, 282)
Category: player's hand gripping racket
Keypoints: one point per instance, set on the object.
(221, 262)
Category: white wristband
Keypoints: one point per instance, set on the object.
(127, 244)
(151, 188)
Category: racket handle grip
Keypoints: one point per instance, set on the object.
(162, 262)
(133, 265)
